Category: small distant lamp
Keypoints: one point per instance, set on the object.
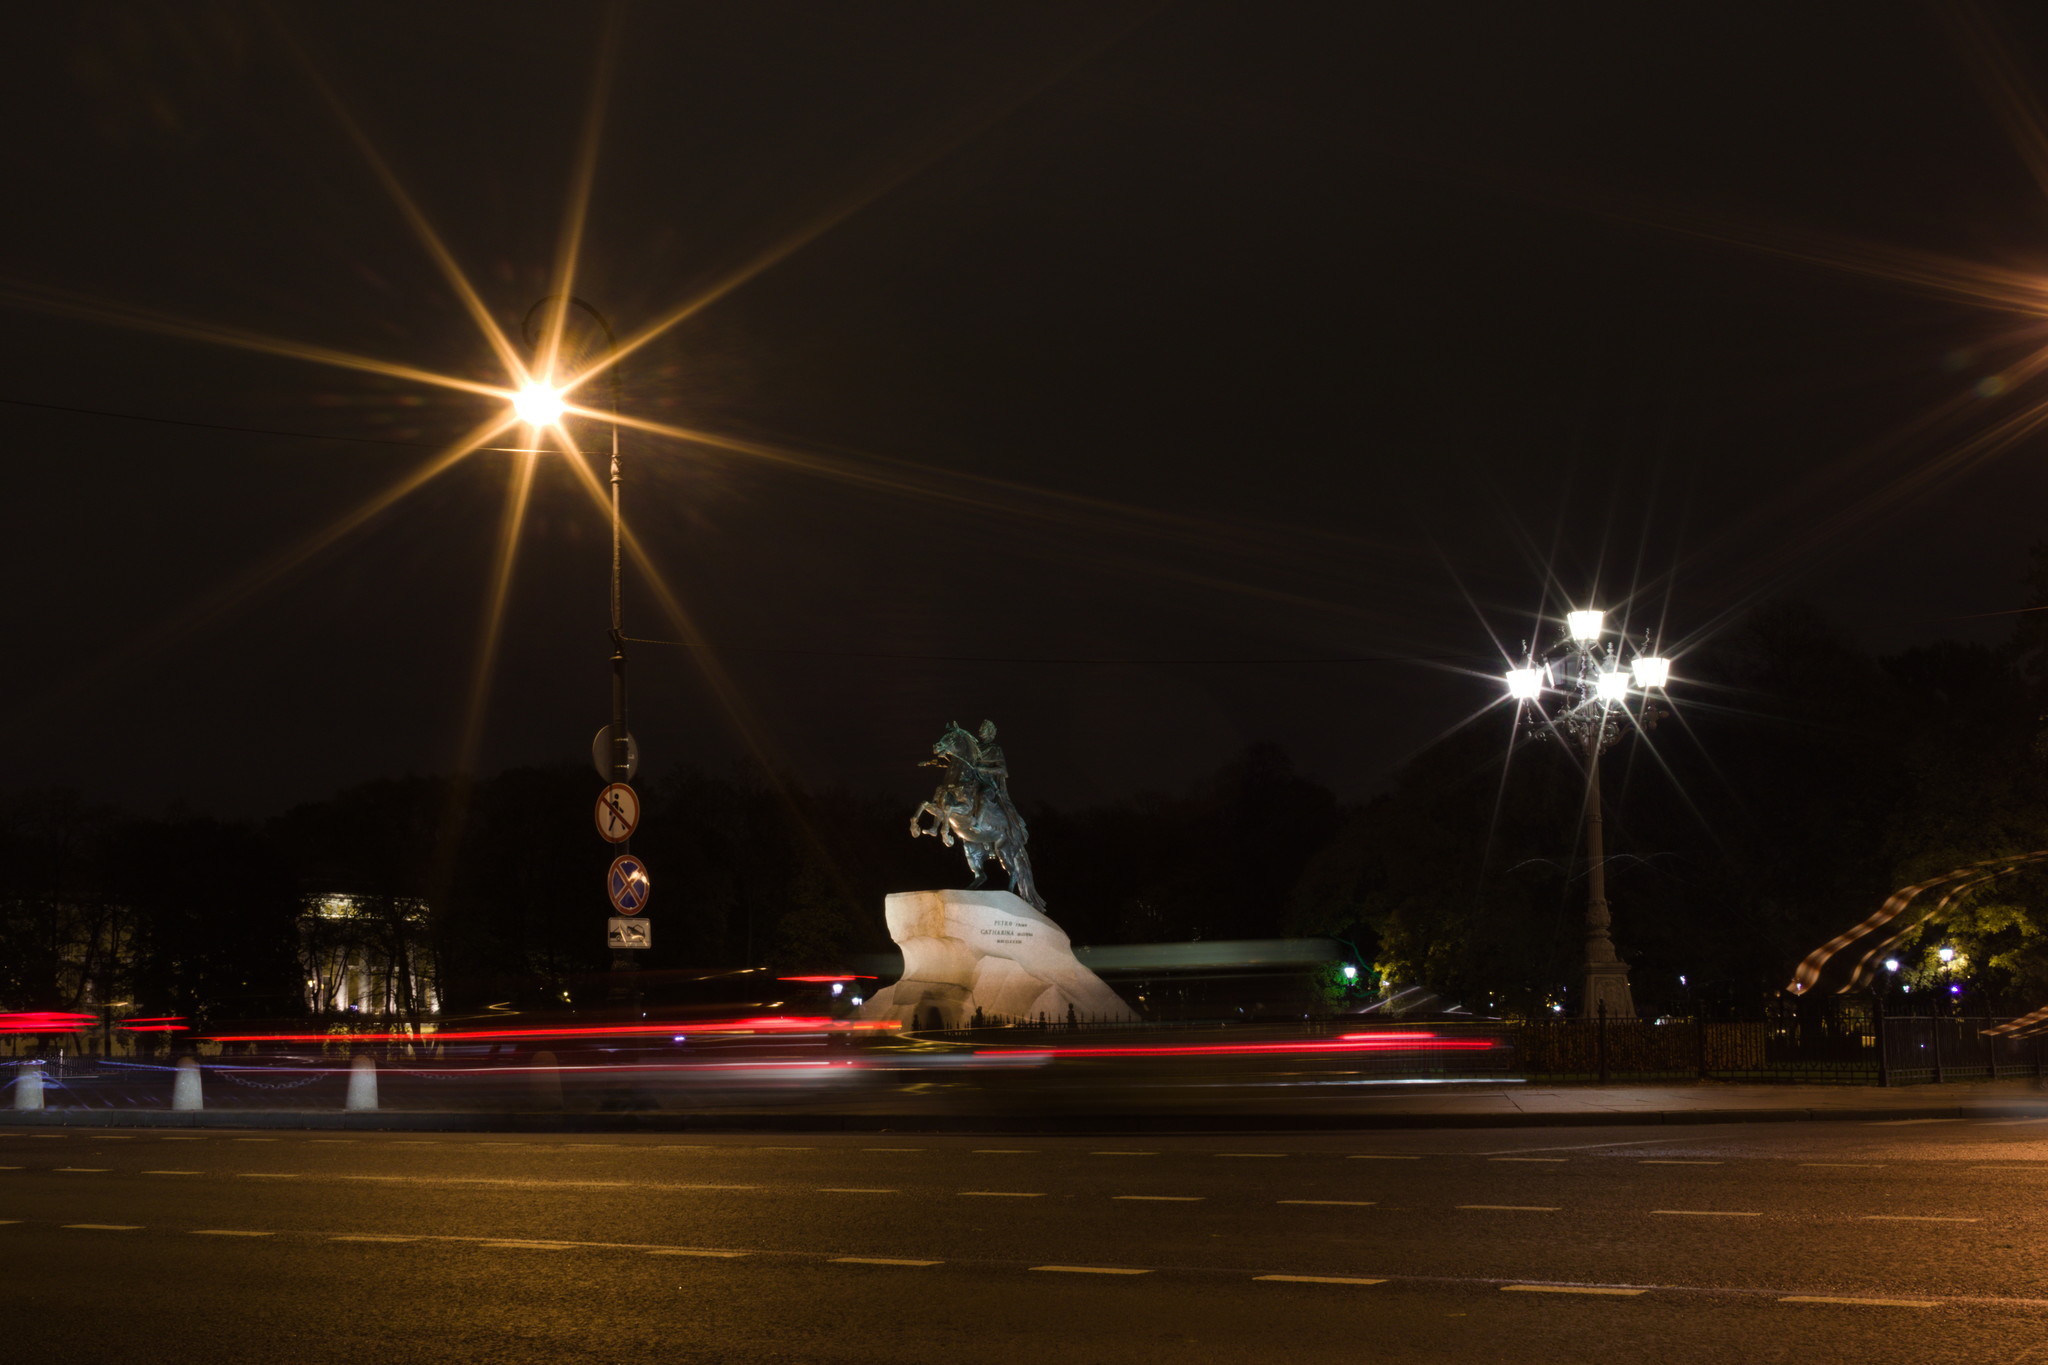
(1651, 671)
(1350, 972)
(1611, 686)
(1947, 955)
(1891, 964)
(1585, 625)
(1525, 684)
(838, 986)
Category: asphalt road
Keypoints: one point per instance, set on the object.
(1921, 1241)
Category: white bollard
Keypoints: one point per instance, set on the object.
(185, 1089)
(28, 1088)
(362, 1084)
(547, 1081)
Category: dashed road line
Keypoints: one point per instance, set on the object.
(1570, 1289)
(1905, 1123)
(371, 1237)
(105, 1227)
(1092, 1269)
(1344, 1203)
(1705, 1213)
(879, 1260)
(694, 1251)
(1002, 1194)
(1512, 1208)
(513, 1244)
(1317, 1279)
(1861, 1303)
(1913, 1218)
(1575, 1147)
(81, 1170)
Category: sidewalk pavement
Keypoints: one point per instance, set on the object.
(1467, 1105)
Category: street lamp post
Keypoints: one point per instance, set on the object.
(1600, 700)
(541, 403)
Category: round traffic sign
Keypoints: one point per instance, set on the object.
(601, 755)
(618, 813)
(627, 884)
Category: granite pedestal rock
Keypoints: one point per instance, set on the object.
(986, 950)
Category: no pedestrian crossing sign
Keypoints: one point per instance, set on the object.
(627, 884)
(618, 813)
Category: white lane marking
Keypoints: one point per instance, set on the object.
(1666, 1161)
(1091, 1270)
(106, 1227)
(370, 1237)
(2007, 1123)
(508, 1244)
(1568, 1289)
(1861, 1303)
(1165, 1198)
(1123, 1154)
(9, 1168)
(1705, 1213)
(228, 1232)
(1842, 1165)
(1513, 1208)
(1334, 1203)
(1905, 1123)
(1914, 1218)
(1317, 1279)
(1576, 1147)
(1380, 1156)
(1550, 1160)
(879, 1260)
(1002, 1194)
(692, 1251)
(1005, 1151)
(82, 1170)
(853, 1189)
(1269, 1154)
(9, 1220)
(174, 1173)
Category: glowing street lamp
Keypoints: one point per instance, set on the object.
(1602, 700)
(538, 404)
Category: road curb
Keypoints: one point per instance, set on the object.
(424, 1121)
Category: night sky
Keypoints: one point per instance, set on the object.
(1155, 379)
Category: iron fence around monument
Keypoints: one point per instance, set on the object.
(1841, 1046)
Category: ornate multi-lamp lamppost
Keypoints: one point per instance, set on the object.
(1601, 699)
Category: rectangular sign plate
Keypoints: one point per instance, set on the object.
(622, 931)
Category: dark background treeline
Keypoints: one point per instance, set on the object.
(1798, 783)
